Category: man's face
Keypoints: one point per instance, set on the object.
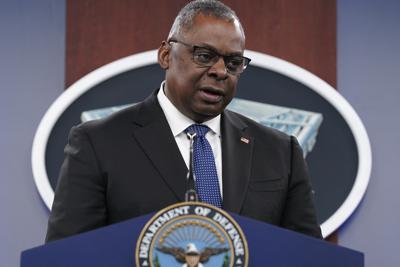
(199, 92)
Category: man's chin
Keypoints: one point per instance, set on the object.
(206, 115)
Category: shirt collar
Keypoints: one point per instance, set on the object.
(177, 121)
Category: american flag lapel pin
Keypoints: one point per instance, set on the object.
(244, 140)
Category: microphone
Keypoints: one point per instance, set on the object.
(191, 194)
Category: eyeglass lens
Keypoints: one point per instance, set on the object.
(207, 57)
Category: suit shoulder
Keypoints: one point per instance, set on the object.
(114, 121)
(256, 129)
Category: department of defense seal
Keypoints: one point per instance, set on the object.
(191, 234)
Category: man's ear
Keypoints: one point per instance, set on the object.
(163, 55)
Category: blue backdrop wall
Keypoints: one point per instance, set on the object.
(368, 76)
(32, 76)
(32, 49)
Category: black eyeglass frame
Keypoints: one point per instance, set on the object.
(226, 58)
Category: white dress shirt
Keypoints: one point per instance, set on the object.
(179, 122)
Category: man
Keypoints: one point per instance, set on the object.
(135, 162)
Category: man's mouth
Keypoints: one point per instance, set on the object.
(212, 95)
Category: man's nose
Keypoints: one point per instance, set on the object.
(219, 69)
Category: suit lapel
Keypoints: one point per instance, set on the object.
(237, 150)
(155, 138)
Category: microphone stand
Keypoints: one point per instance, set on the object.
(191, 194)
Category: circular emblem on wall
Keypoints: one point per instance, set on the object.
(272, 91)
(191, 234)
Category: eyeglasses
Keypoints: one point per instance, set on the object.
(207, 57)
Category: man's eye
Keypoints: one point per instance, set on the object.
(235, 63)
(204, 57)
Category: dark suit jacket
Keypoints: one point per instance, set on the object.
(129, 164)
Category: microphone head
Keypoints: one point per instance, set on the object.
(190, 136)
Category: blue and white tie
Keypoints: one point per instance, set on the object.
(205, 171)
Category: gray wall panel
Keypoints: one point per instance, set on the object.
(368, 76)
(32, 52)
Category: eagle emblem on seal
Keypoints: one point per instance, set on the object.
(192, 257)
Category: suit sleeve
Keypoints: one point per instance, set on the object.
(299, 213)
(79, 203)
